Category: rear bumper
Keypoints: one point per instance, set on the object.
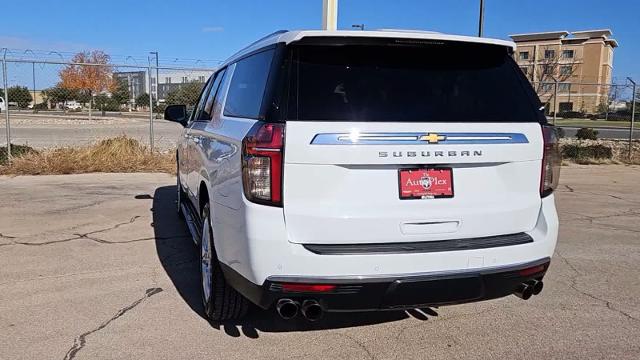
(398, 292)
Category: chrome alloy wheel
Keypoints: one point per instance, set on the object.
(205, 262)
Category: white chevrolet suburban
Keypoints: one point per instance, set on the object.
(327, 171)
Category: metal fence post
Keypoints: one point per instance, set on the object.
(633, 116)
(555, 102)
(150, 109)
(6, 104)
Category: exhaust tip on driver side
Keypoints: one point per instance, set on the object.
(287, 309)
(524, 291)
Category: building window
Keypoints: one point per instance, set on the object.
(167, 80)
(524, 55)
(567, 54)
(566, 70)
(525, 70)
(547, 69)
(185, 79)
(547, 87)
(565, 106)
(549, 54)
(564, 87)
(201, 79)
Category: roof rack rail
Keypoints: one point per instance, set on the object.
(267, 36)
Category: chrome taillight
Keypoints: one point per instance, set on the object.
(262, 156)
(551, 160)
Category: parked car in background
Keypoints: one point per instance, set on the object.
(3, 106)
(72, 105)
(367, 170)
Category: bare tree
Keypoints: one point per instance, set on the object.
(554, 67)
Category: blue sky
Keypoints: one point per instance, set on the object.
(214, 29)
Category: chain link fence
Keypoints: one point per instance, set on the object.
(53, 103)
(50, 103)
(590, 111)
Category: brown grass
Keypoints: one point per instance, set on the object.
(120, 154)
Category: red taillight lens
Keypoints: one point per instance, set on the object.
(262, 154)
(550, 161)
(307, 287)
(533, 270)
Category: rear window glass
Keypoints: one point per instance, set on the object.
(436, 82)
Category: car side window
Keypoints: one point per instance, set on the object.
(246, 91)
(203, 97)
(208, 106)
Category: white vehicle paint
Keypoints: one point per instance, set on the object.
(3, 107)
(367, 176)
(72, 105)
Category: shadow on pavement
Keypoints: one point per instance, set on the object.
(179, 258)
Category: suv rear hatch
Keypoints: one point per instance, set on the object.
(392, 141)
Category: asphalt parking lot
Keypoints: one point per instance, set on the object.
(99, 266)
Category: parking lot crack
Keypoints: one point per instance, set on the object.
(81, 340)
(360, 345)
(3, 236)
(574, 285)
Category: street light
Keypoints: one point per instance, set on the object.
(481, 19)
(358, 26)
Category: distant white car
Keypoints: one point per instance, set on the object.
(317, 174)
(3, 107)
(72, 105)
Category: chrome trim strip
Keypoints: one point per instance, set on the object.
(341, 279)
(414, 138)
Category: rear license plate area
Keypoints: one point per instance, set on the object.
(425, 183)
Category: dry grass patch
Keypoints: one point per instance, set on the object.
(601, 151)
(120, 154)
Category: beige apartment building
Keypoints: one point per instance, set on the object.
(581, 62)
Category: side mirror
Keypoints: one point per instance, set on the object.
(176, 113)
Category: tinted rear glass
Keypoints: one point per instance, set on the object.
(435, 82)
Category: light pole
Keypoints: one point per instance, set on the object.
(6, 103)
(633, 116)
(481, 20)
(157, 74)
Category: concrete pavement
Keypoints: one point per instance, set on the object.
(98, 266)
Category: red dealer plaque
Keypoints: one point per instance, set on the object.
(426, 183)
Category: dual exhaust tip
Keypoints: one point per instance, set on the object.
(528, 289)
(310, 309)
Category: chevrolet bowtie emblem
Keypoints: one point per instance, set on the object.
(432, 138)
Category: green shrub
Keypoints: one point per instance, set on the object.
(571, 114)
(587, 134)
(16, 150)
(41, 106)
(579, 152)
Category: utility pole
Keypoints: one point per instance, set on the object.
(330, 15)
(6, 103)
(633, 117)
(33, 72)
(481, 20)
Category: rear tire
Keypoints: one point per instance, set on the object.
(221, 301)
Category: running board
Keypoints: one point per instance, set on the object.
(191, 224)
